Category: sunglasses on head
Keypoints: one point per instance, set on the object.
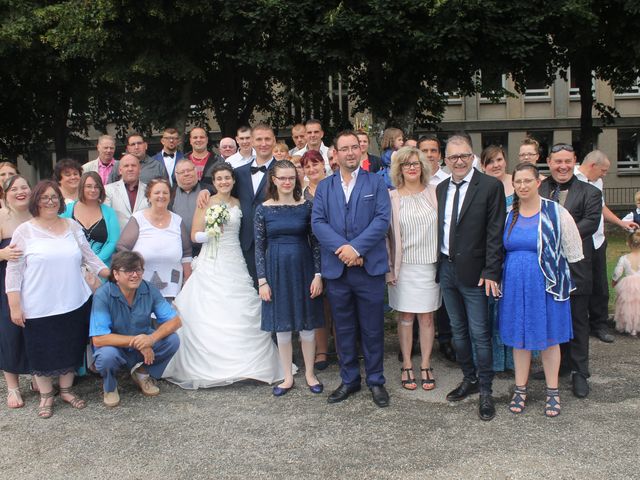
(561, 146)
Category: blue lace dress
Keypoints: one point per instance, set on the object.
(288, 256)
(529, 317)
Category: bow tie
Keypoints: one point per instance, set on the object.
(255, 170)
(170, 155)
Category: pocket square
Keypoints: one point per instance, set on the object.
(368, 196)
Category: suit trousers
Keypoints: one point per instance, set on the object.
(575, 353)
(470, 326)
(444, 325)
(357, 306)
(109, 360)
(599, 299)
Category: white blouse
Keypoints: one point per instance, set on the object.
(48, 275)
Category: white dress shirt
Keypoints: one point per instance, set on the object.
(256, 178)
(237, 160)
(598, 237)
(438, 177)
(347, 188)
(448, 208)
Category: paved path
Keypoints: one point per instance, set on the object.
(243, 432)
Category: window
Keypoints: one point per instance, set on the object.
(633, 91)
(628, 150)
(495, 138)
(574, 91)
(493, 82)
(537, 89)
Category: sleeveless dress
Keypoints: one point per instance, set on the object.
(288, 256)
(13, 357)
(627, 313)
(528, 316)
(220, 338)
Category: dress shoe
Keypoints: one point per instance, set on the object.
(539, 375)
(317, 388)
(447, 351)
(580, 385)
(380, 395)
(486, 408)
(603, 335)
(280, 391)
(342, 393)
(463, 390)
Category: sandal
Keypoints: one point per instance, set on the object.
(75, 401)
(552, 405)
(45, 411)
(15, 393)
(410, 382)
(518, 400)
(428, 383)
(322, 364)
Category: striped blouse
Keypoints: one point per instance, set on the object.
(418, 230)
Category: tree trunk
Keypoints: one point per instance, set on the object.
(588, 132)
(180, 121)
(60, 128)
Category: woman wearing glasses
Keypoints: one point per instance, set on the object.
(48, 295)
(288, 267)
(412, 242)
(540, 239)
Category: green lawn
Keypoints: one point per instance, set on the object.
(616, 246)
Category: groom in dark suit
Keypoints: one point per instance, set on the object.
(251, 188)
(351, 212)
(471, 216)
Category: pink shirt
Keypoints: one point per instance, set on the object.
(105, 170)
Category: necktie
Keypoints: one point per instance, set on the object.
(454, 221)
(255, 170)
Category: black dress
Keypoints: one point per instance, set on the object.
(13, 357)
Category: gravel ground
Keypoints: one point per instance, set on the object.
(242, 431)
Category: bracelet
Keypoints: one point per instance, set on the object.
(263, 284)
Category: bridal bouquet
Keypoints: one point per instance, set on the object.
(215, 218)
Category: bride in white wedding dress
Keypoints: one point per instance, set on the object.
(220, 339)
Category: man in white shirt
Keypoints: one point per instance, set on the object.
(299, 137)
(592, 170)
(314, 134)
(245, 153)
(169, 155)
(126, 196)
(105, 162)
(430, 146)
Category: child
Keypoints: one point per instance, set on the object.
(281, 151)
(634, 216)
(628, 287)
(392, 140)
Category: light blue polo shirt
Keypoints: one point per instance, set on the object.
(111, 313)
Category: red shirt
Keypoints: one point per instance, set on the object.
(199, 163)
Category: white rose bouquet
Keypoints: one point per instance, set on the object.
(214, 220)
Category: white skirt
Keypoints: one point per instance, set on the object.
(416, 290)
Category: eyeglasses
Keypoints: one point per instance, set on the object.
(528, 155)
(462, 156)
(188, 170)
(353, 148)
(285, 179)
(524, 181)
(410, 165)
(130, 273)
(44, 199)
(561, 146)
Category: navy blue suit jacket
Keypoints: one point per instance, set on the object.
(243, 191)
(179, 156)
(362, 223)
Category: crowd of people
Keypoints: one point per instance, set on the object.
(198, 268)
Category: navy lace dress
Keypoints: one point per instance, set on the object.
(288, 256)
(529, 317)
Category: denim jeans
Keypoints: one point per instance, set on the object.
(470, 326)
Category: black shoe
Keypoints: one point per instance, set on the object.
(603, 335)
(463, 390)
(539, 375)
(380, 395)
(342, 393)
(447, 351)
(580, 385)
(486, 408)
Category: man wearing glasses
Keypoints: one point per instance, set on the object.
(471, 216)
(584, 203)
(149, 168)
(169, 155)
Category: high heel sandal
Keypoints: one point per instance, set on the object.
(45, 411)
(15, 393)
(410, 382)
(428, 383)
(552, 403)
(75, 401)
(518, 400)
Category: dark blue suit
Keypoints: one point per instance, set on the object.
(356, 294)
(243, 191)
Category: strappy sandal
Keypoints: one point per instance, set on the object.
(75, 401)
(45, 411)
(428, 383)
(552, 403)
(15, 393)
(518, 401)
(410, 382)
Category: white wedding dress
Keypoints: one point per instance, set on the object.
(220, 338)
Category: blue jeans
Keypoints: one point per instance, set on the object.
(108, 360)
(470, 326)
